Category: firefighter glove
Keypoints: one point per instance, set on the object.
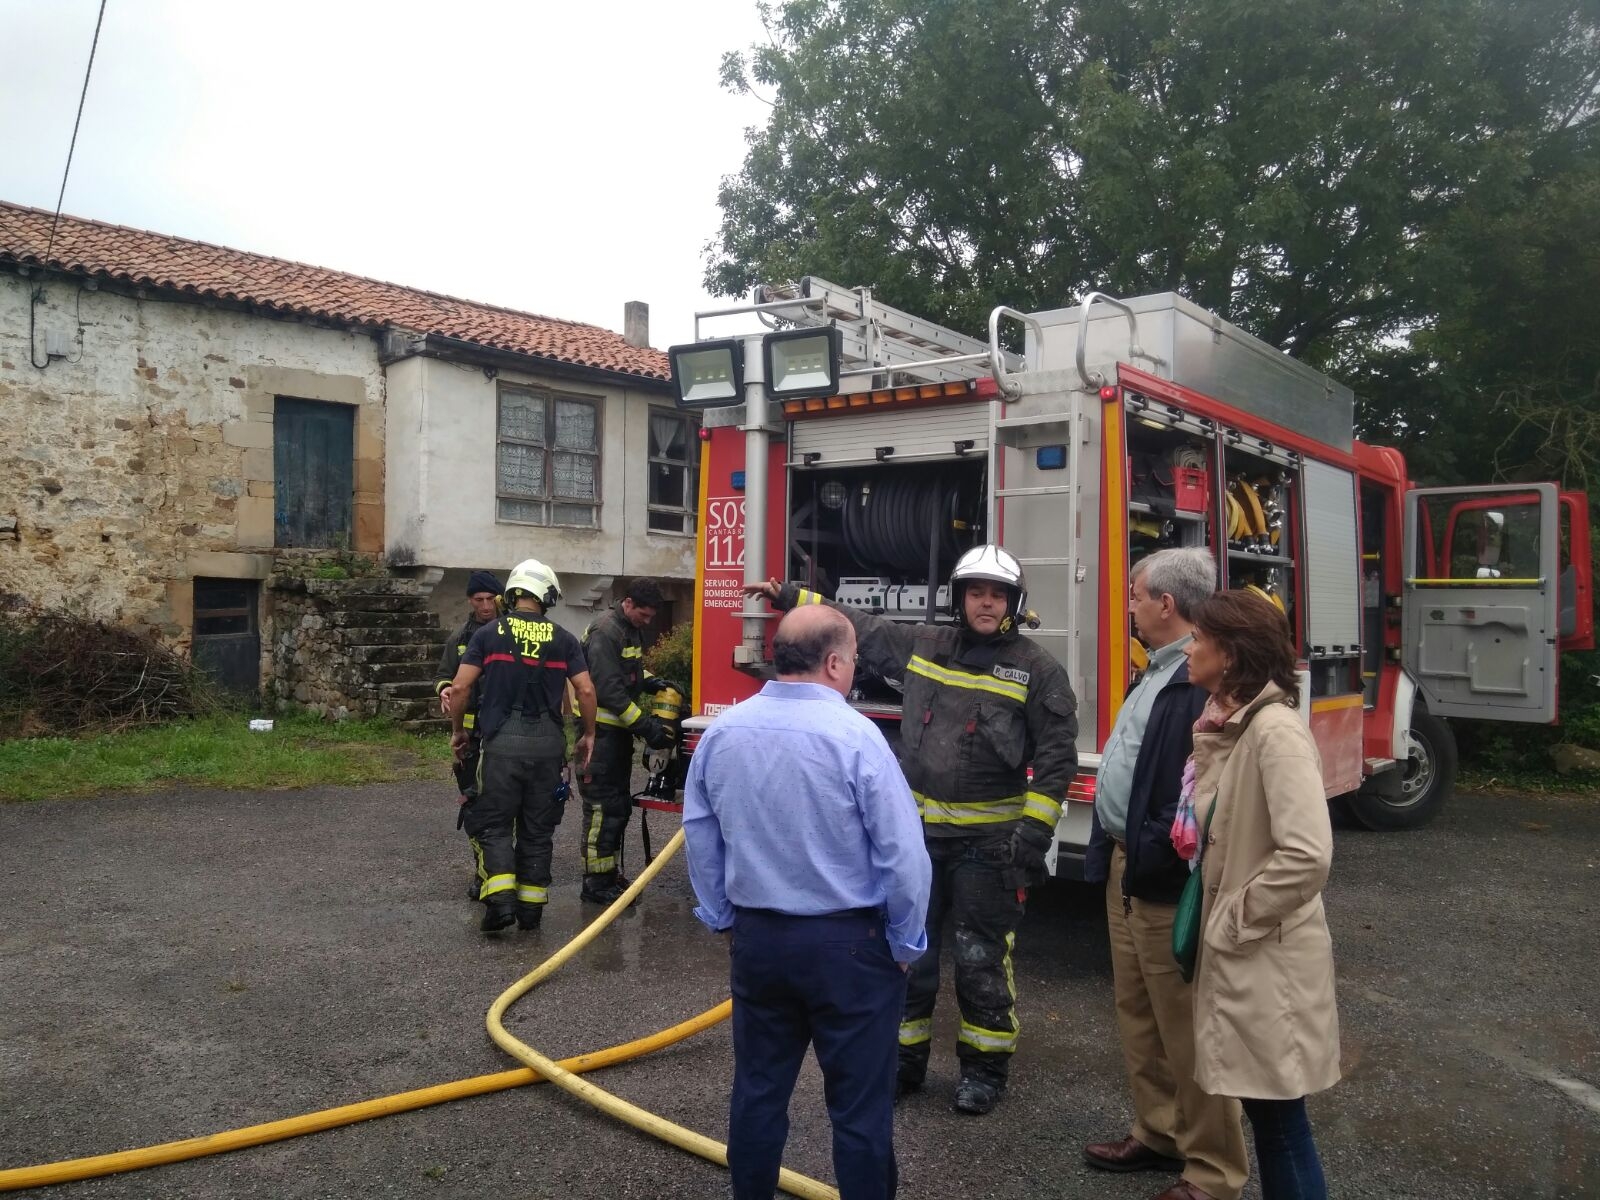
(1030, 841)
(657, 734)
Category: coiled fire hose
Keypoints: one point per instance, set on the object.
(538, 1068)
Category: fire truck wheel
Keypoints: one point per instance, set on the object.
(1427, 780)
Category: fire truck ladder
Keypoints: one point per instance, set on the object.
(882, 343)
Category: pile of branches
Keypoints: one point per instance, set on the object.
(61, 674)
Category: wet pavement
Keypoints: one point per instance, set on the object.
(181, 963)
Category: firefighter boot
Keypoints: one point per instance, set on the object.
(529, 916)
(500, 911)
(976, 1097)
(603, 888)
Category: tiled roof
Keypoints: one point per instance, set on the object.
(155, 260)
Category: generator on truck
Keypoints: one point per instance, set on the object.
(858, 451)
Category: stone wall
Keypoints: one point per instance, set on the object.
(144, 457)
(363, 646)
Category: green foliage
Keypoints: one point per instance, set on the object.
(672, 657)
(330, 571)
(218, 751)
(1284, 164)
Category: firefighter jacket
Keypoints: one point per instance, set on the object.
(526, 661)
(450, 662)
(615, 650)
(977, 713)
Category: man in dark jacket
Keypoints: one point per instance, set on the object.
(1177, 1127)
(483, 590)
(981, 704)
(614, 647)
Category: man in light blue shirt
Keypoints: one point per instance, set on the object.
(805, 842)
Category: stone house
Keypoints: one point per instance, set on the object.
(185, 421)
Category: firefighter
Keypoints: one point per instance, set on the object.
(525, 661)
(614, 648)
(981, 703)
(483, 593)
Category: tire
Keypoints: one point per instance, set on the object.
(1427, 780)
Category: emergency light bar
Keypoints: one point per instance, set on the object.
(708, 374)
(956, 391)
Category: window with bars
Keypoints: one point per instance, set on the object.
(547, 463)
(674, 455)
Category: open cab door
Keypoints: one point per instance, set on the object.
(1481, 608)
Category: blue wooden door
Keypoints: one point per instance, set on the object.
(313, 463)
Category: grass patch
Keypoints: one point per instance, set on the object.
(1532, 782)
(219, 751)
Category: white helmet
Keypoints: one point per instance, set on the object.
(531, 577)
(991, 563)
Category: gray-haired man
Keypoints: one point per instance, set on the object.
(1177, 1127)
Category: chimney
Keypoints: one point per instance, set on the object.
(636, 324)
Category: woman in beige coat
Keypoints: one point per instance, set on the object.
(1265, 1026)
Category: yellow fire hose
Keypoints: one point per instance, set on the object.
(68, 1170)
(686, 1139)
(537, 1070)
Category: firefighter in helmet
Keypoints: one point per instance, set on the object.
(483, 600)
(525, 660)
(614, 648)
(981, 705)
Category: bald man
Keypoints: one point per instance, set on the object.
(805, 844)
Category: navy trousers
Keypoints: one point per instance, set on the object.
(829, 982)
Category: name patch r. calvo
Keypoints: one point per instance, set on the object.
(1013, 674)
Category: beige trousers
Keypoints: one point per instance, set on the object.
(1155, 1013)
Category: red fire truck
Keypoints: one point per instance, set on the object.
(859, 450)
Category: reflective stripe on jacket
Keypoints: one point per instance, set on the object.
(976, 714)
(615, 650)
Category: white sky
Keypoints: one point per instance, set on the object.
(557, 158)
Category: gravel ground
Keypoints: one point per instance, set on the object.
(181, 963)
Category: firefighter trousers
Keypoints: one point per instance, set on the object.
(607, 800)
(512, 821)
(978, 896)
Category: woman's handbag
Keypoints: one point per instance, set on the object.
(1186, 921)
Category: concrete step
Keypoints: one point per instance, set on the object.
(409, 710)
(358, 603)
(411, 671)
(421, 689)
(423, 655)
(426, 726)
(378, 619)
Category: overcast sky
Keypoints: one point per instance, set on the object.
(557, 158)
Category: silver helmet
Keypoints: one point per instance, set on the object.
(996, 565)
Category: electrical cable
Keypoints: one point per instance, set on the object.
(73, 145)
(61, 195)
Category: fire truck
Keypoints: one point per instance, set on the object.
(858, 450)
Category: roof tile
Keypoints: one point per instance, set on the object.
(142, 258)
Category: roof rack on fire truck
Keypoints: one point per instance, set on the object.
(879, 343)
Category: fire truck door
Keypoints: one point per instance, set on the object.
(1479, 611)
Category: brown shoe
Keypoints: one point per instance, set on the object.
(1183, 1190)
(1130, 1154)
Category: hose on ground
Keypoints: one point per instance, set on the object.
(686, 1139)
(71, 1169)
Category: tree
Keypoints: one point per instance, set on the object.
(1284, 163)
